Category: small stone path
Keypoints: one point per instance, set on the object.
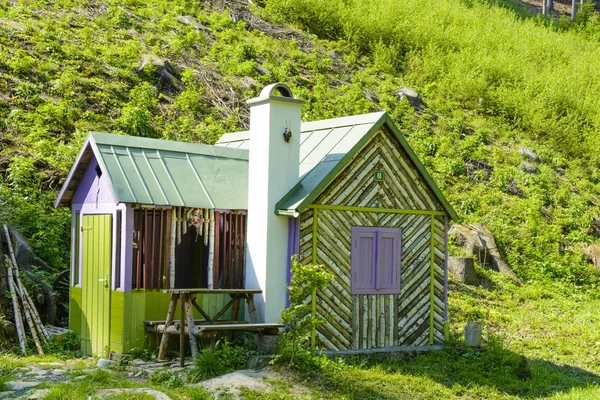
(25, 382)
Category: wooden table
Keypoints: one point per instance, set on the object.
(209, 326)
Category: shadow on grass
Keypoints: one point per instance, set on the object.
(451, 372)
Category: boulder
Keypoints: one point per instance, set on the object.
(413, 97)
(594, 228)
(463, 269)
(371, 96)
(530, 154)
(189, 20)
(479, 242)
(105, 363)
(514, 189)
(592, 253)
(528, 167)
(169, 80)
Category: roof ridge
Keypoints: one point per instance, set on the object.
(111, 139)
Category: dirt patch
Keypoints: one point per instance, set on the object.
(264, 380)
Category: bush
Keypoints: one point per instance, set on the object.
(223, 359)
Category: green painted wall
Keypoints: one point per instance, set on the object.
(75, 310)
(95, 283)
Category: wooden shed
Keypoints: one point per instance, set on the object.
(348, 193)
(150, 215)
(366, 208)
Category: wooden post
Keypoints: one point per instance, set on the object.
(211, 249)
(21, 289)
(190, 322)
(432, 283)
(172, 250)
(17, 311)
(164, 341)
(26, 309)
(181, 332)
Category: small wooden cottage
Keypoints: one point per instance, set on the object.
(347, 193)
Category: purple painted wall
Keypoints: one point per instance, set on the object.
(293, 248)
(94, 195)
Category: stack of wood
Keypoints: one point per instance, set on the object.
(22, 303)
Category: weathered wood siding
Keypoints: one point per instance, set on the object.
(372, 321)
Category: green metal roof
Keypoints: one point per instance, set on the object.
(326, 148)
(161, 172)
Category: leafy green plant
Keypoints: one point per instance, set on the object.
(65, 346)
(223, 359)
(166, 378)
(298, 316)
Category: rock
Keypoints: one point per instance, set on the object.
(36, 395)
(80, 378)
(169, 80)
(21, 385)
(8, 330)
(592, 253)
(512, 188)
(463, 268)
(258, 362)
(261, 70)
(413, 97)
(370, 96)
(7, 394)
(132, 392)
(560, 171)
(524, 151)
(267, 344)
(189, 20)
(335, 55)
(528, 167)
(477, 168)
(247, 83)
(104, 363)
(479, 242)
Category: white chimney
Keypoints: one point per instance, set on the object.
(273, 170)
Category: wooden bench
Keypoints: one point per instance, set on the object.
(208, 327)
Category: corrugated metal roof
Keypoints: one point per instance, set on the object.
(325, 148)
(322, 145)
(161, 172)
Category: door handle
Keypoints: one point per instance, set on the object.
(101, 280)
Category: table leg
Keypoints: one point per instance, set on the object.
(164, 341)
(190, 322)
(252, 312)
(182, 332)
(234, 316)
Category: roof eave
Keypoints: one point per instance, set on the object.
(59, 200)
(384, 119)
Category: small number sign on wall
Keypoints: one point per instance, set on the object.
(379, 176)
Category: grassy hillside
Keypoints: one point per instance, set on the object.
(492, 80)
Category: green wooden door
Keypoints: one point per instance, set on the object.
(95, 283)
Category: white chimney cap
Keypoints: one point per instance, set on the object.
(267, 94)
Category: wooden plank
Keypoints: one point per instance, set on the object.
(201, 311)
(159, 267)
(432, 281)
(168, 265)
(190, 323)
(214, 291)
(217, 251)
(162, 349)
(145, 251)
(181, 333)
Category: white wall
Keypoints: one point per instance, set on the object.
(273, 171)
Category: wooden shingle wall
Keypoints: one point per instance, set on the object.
(356, 199)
